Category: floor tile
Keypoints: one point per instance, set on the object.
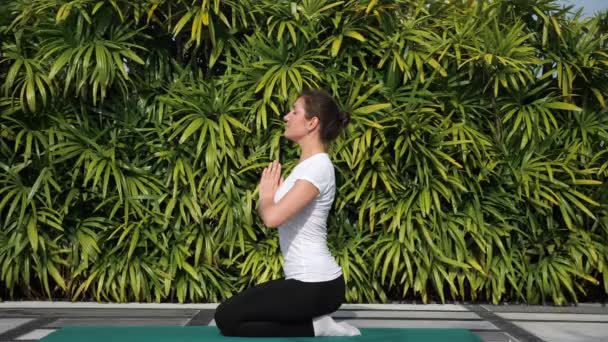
(495, 336)
(404, 314)
(405, 307)
(36, 334)
(126, 321)
(518, 316)
(368, 323)
(567, 332)
(7, 324)
(109, 312)
(580, 309)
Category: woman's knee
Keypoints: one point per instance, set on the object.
(225, 318)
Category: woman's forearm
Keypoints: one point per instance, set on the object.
(266, 212)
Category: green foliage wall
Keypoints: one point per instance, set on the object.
(133, 134)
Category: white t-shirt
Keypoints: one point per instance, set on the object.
(303, 238)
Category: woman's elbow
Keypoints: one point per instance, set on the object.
(272, 221)
(271, 224)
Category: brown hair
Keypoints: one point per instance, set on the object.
(321, 104)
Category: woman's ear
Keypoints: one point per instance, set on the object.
(314, 122)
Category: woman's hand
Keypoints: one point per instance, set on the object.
(270, 182)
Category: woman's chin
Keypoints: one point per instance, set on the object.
(291, 137)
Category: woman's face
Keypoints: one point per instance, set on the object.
(296, 123)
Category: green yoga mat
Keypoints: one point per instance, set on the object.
(212, 334)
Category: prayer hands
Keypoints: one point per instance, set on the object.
(271, 181)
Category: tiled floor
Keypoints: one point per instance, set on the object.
(31, 321)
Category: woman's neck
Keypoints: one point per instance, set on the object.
(308, 150)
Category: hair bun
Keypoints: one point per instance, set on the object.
(344, 118)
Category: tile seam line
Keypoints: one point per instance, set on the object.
(190, 318)
(505, 325)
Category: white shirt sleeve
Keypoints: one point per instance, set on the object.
(317, 172)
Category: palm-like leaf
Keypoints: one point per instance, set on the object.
(102, 57)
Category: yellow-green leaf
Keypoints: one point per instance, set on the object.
(371, 108)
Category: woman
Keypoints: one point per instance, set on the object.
(313, 287)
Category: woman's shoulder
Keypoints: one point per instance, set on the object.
(319, 163)
(319, 160)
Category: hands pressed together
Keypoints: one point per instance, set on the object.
(271, 181)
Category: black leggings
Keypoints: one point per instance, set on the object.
(279, 308)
